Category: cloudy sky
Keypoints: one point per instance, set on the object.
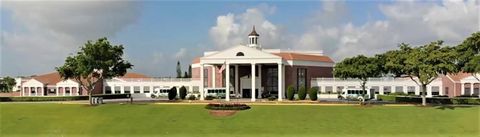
(37, 36)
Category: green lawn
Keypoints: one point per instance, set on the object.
(276, 121)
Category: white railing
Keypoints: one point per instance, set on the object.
(156, 79)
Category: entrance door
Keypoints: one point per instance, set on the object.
(246, 93)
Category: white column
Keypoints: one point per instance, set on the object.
(462, 88)
(202, 86)
(122, 89)
(253, 81)
(141, 89)
(29, 91)
(213, 76)
(471, 88)
(280, 82)
(112, 89)
(57, 90)
(236, 79)
(227, 82)
(260, 83)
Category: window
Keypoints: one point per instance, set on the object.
(435, 90)
(466, 89)
(117, 89)
(205, 77)
(411, 90)
(126, 89)
(301, 78)
(446, 90)
(240, 54)
(399, 89)
(329, 89)
(272, 81)
(146, 89)
(476, 89)
(136, 89)
(387, 90)
(196, 89)
(108, 90)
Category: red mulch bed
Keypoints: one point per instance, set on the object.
(222, 113)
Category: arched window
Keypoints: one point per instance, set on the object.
(240, 54)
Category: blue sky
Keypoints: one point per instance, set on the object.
(158, 33)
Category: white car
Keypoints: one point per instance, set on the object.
(355, 94)
(159, 92)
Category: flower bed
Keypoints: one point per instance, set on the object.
(227, 106)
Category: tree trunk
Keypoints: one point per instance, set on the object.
(423, 92)
(90, 98)
(363, 90)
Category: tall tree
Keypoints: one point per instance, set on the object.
(179, 70)
(7, 84)
(421, 64)
(469, 55)
(185, 75)
(189, 71)
(94, 62)
(359, 67)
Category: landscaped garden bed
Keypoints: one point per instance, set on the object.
(225, 109)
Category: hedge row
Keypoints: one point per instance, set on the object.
(60, 98)
(431, 100)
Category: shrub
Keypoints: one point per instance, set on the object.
(312, 93)
(172, 94)
(302, 93)
(386, 97)
(209, 97)
(272, 98)
(183, 92)
(227, 106)
(290, 92)
(192, 97)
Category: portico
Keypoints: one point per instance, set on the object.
(234, 59)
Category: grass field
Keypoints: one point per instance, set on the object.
(275, 121)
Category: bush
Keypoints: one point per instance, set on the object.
(386, 97)
(209, 97)
(183, 92)
(227, 106)
(302, 93)
(439, 100)
(172, 94)
(290, 92)
(272, 98)
(61, 98)
(192, 97)
(312, 93)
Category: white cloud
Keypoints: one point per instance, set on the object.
(44, 33)
(182, 53)
(232, 29)
(409, 22)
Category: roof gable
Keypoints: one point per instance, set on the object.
(248, 53)
(304, 57)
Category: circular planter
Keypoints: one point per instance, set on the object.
(222, 113)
